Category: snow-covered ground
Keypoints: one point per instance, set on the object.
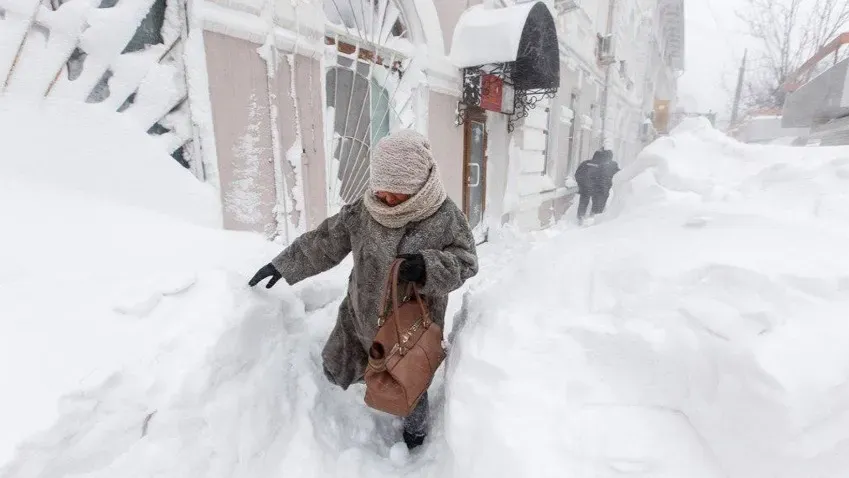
(70, 146)
(697, 330)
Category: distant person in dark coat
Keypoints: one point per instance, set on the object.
(595, 179)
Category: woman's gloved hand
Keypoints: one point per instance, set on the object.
(267, 270)
(413, 268)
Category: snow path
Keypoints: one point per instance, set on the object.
(698, 330)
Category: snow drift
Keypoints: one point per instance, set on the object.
(100, 275)
(89, 149)
(131, 344)
(696, 331)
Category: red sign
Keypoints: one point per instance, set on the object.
(492, 92)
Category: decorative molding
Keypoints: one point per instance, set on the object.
(443, 77)
(252, 28)
(566, 115)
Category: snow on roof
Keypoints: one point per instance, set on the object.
(485, 36)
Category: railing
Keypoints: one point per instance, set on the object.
(809, 69)
(820, 100)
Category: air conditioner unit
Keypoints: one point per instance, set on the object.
(562, 7)
(606, 54)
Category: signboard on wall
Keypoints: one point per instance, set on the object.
(507, 104)
(492, 91)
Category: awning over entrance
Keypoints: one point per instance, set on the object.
(524, 35)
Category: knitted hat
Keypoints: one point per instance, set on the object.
(401, 163)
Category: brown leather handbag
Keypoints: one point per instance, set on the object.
(406, 351)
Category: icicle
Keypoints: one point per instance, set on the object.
(197, 81)
(268, 52)
(294, 156)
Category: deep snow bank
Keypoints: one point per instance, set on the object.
(699, 164)
(131, 345)
(111, 294)
(699, 330)
(91, 150)
(89, 287)
(696, 331)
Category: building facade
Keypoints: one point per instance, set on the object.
(278, 104)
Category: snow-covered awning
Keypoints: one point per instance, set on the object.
(523, 34)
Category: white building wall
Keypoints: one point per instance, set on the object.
(543, 152)
(641, 72)
(529, 170)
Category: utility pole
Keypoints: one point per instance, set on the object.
(735, 110)
(605, 99)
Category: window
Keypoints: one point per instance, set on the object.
(552, 131)
(548, 152)
(366, 95)
(358, 105)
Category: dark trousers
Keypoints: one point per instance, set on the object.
(599, 201)
(417, 422)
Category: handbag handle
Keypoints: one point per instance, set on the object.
(391, 288)
(387, 289)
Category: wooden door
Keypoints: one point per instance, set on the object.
(474, 170)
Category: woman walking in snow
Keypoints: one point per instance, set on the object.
(406, 214)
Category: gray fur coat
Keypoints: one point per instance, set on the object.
(444, 240)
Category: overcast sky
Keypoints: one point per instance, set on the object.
(715, 41)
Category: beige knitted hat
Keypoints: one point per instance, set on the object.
(401, 163)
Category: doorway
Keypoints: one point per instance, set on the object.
(474, 171)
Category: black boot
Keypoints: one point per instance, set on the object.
(416, 425)
(413, 441)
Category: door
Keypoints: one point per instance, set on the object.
(474, 167)
(661, 116)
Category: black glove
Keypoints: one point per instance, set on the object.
(267, 270)
(413, 268)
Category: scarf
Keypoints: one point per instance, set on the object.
(420, 206)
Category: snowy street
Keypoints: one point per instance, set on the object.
(697, 329)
